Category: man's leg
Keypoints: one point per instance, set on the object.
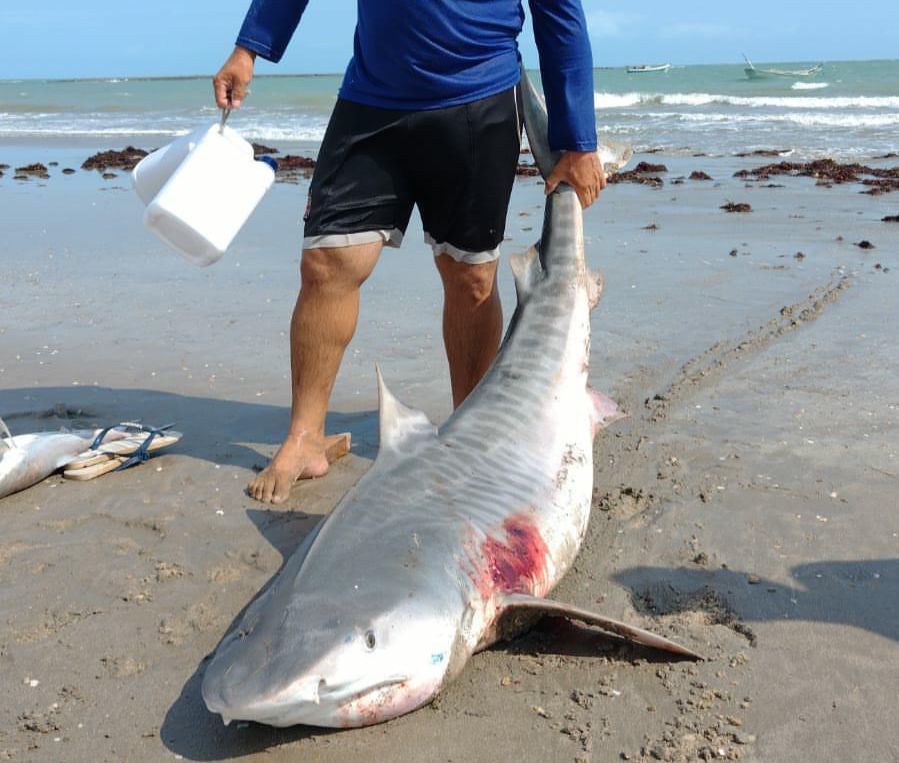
(323, 323)
(472, 321)
(464, 168)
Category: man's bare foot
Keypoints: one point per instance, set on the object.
(298, 458)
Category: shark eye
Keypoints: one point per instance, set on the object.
(369, 640)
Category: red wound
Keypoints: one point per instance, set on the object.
(517, 563)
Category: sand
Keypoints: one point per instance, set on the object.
(747, 506)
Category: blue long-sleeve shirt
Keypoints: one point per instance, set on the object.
(427, 54)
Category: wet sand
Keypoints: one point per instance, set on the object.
(747, 507)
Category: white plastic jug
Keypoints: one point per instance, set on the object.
(152, 172)
(210, 184)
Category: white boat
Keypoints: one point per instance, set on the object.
(753, 72)
(645, 68)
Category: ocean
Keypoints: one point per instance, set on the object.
(849, 111)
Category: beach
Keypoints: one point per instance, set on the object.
(746, 507)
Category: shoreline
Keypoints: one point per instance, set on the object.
(76, 149)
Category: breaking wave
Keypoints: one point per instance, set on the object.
(802, 119)
(626, 100)
(297, 128)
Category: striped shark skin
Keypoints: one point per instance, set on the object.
(27, 459)
(454, 536)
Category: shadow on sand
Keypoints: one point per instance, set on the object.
(189, 729)
(215, 430)
(862, 593)
(221, 432)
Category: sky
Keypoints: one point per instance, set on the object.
(102, 38)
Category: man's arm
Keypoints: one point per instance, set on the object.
(266, 31)
(269, 25)
(566, 68)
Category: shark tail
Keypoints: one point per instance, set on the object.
(536, 125)
(613, 154)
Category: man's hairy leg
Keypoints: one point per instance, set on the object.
(472, 321)
(323, 323)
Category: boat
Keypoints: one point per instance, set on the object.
(645, 68)
(753, 72)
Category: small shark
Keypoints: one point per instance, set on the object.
(27, 459)
(456, 534)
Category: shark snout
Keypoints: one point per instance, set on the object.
(310, 699)
(247, 702)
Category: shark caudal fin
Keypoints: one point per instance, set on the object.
(614, 155)
(536, 125)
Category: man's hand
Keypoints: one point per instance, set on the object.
(231, 83)
(583, 171)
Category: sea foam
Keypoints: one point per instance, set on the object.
(626, 100)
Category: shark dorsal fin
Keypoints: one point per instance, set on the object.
(527, 270)
(403, 429)
(6, 442)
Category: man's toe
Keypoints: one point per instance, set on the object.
(265, 494)
(281, 488)
(256, 489)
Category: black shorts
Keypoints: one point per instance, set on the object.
(457, 164)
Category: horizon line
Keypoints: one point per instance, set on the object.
(273, 75)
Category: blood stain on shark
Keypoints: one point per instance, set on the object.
(516, 564)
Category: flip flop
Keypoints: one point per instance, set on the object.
(120, 454)
(96, 470)
(124, 447)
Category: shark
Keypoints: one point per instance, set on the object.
(456, 535)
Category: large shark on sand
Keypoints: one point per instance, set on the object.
(454, 536)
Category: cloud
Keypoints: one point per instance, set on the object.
(610, 23)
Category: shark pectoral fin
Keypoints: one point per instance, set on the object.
(527, 270)
(402, 428)
(523, 608)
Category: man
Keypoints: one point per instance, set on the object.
(427, 115)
